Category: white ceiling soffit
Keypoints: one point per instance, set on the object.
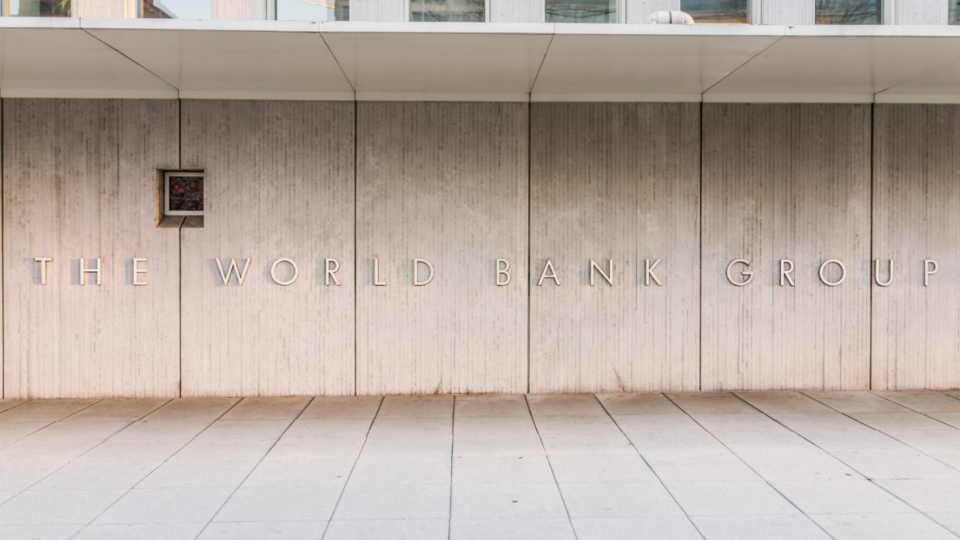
(848, 64)
(645, 63)
(56, 58)
(230, 59)
(439, 61)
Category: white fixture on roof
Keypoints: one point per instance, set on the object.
(669, 17)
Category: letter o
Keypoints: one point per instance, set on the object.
(843, 273)
(273, 272)
(745, 273)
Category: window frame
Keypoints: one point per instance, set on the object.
(166, 194)
(486, 12)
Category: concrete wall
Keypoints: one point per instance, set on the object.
(620, 182)
(444, 182)
(917, 217)
(79, 183)
(786, 182)
(462, 185)
(280, 184)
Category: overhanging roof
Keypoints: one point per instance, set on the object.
(469, 61)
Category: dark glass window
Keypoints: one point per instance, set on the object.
(716, 11)
(581, 11)
(447, 10)
(849, 11)
(954, 12)
(176, 9)
(313, 10)
(38, 8)
(184, 192)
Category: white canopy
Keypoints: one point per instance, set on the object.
(138, 58)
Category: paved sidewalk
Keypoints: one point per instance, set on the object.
(717, 466)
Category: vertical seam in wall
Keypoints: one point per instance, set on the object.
(180, 259)
(700, 270)
(873, 157)
(3, 324)
(356, 257)
(529, 276)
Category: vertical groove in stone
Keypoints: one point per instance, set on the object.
(916, 341)
(621, 182)
(80, 183)
(786, 182)
(279, 184)
(446, 182)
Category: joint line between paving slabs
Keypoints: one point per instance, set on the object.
(550, 464)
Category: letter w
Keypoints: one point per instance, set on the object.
(233, 269)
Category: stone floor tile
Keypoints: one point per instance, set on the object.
(11, 432)
(502, 470)
(78, 431)
(667, 527)
(527, 444)
(19, 476)
(300, 472)
(798, 466)
(924, 401)
(730, 499)
(929, 441)
(353, 429)
(494, 405)
(926, 495)
(6, 495)
(577, 425)
(711, 403)
(900, 421)
(416, 407)
(208, 408)
(412, 427)
(949, 520)
(595, 444)
(764, 441)
(362, 502)
(493, 425)
(188, 473)
(856, 402)
(511, 529)
(701, 440)
(163, 428)
(120, 475)
(949, 418)
(245, 430)
(26, 451)
(739, 422)
(225, 449)
(7, 404)
(565, 405)
(137, 531)
(428, 469)
(601, 469)
(856, 497)
(39, 532)
(347, 407)
(275, 530)
(145, 451)
(180, 505)
(118, 410)
(694, 465)
(388, 529)
(267, 408)
(782, 402)
(795, 527)
(656, 423)
(393, 447)
(280, 503)
(812, 423)
(854, 441)
(57, 507)
(952, 393)
(638, 404)
(46, 410)
(305, 448)
(503, 501)
(900, 465)
(882, 527)
(619, 500)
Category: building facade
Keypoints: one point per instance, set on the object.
(432, 207)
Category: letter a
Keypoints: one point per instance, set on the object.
(548, 273)
(233, 269)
